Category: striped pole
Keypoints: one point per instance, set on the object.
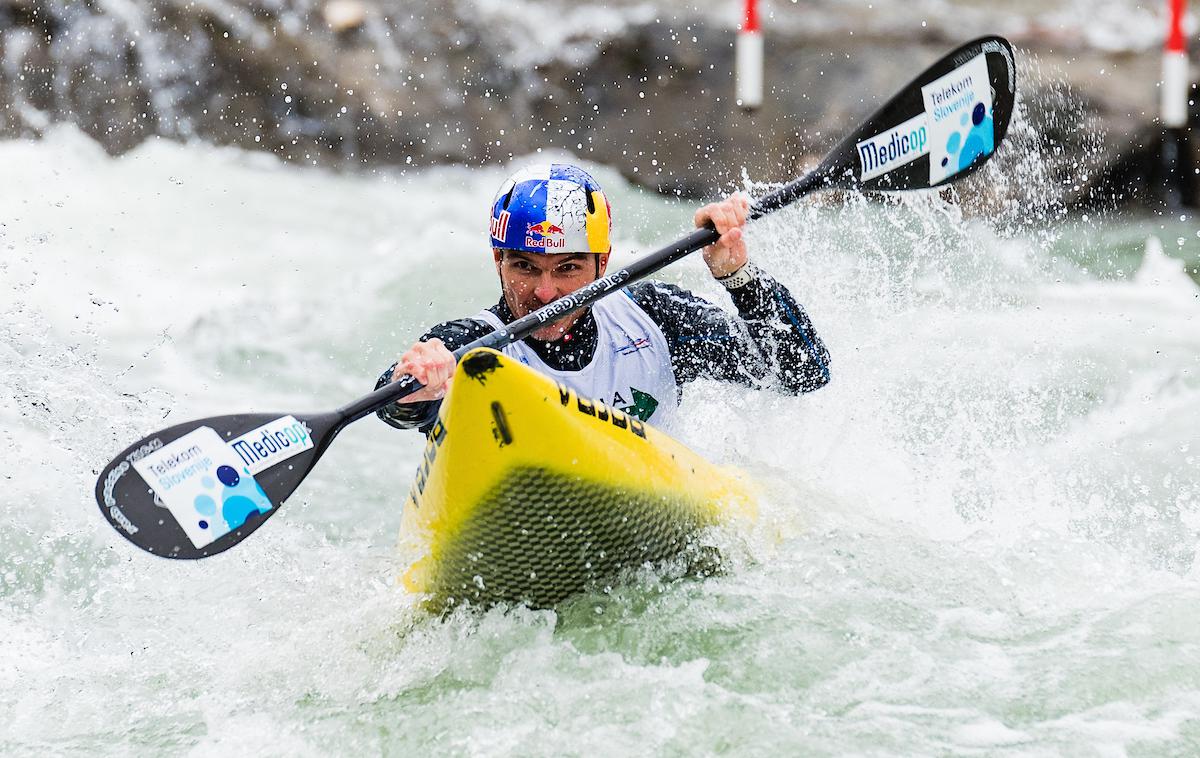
(1175, 82)
(1178, 187)
(749, 59)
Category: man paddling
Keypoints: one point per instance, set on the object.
(550, 229)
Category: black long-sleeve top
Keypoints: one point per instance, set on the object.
(771, 342)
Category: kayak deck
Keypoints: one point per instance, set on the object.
(530, 494)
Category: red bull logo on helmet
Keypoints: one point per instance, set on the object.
(544, 235)
(499, 226)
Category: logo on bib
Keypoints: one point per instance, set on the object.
(643, 406)
(632, 346)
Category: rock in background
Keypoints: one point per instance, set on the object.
(644, 87)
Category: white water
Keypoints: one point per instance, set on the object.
(988, 522)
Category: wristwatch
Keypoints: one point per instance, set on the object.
(739, 278)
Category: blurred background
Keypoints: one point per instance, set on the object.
(644, 86)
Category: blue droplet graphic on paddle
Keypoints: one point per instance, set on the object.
(237, 509)
(242, 498)
(228, 475)
(205, 505)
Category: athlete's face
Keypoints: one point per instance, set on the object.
(531, 280)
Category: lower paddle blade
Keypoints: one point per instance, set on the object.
(197, 489)
(943, 126)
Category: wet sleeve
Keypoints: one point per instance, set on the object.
(770, 341)
(454, 334)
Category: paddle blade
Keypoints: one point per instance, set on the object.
(197, 489)
(943, 126)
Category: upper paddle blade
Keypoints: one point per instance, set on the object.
(944, 125)
(197, 489)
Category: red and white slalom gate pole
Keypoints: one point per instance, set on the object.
(1179, 186)
(1175, 80)
(749, 59)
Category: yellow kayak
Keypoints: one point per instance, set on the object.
(529, 493)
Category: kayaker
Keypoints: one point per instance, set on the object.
(550, 229)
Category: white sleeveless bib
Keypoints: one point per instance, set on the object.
(631, 370)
